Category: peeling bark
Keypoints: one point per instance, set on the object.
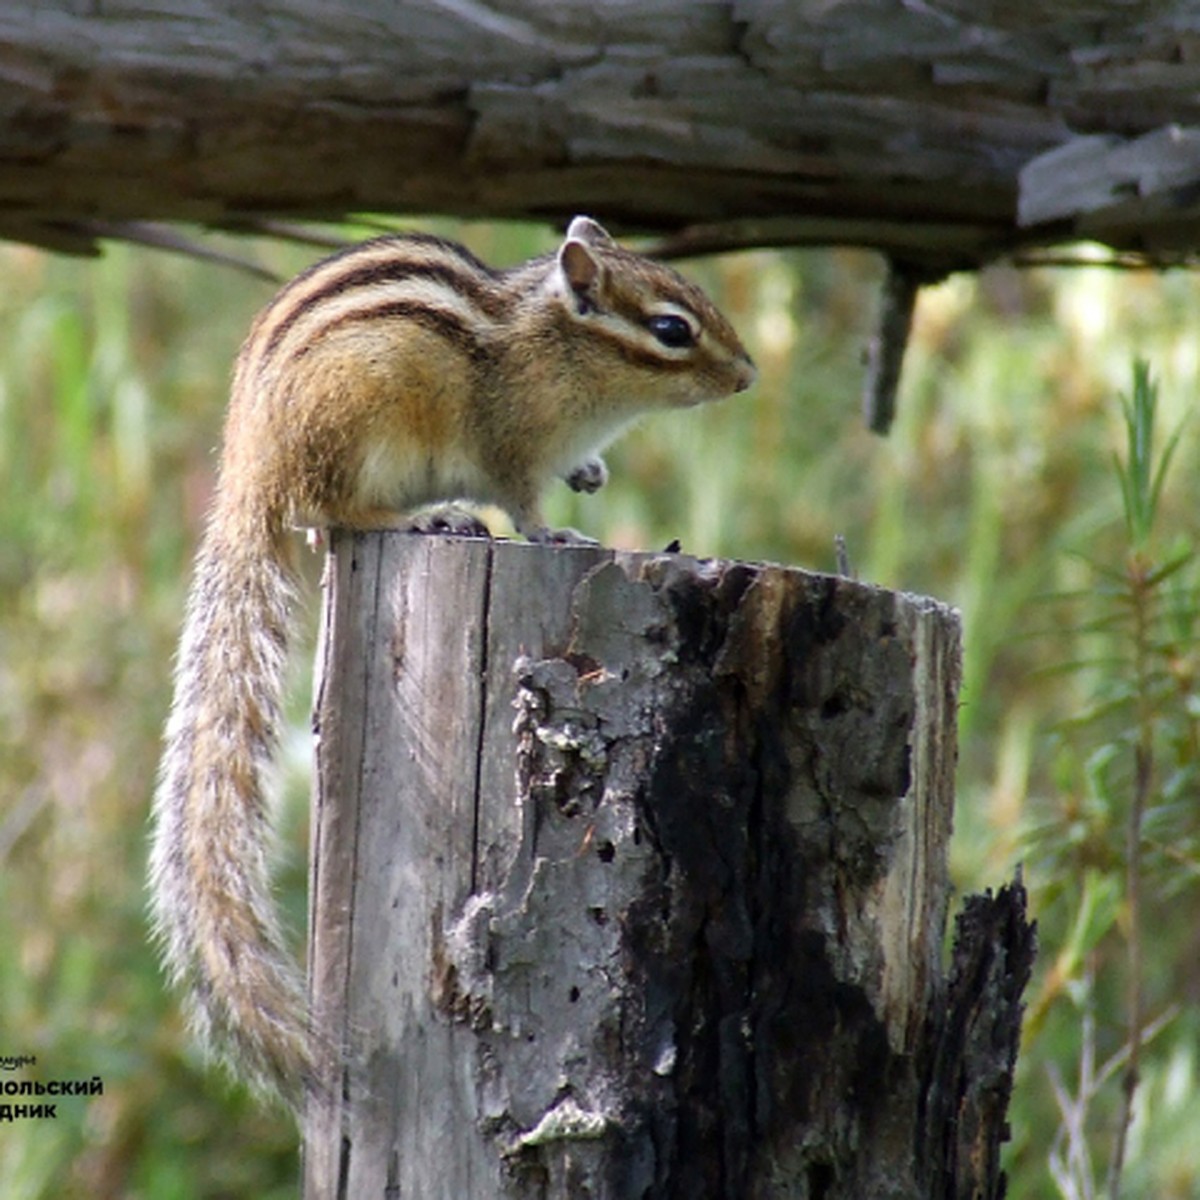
(674, 931)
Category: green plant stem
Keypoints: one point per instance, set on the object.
(1141, 591)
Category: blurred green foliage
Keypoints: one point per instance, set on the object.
(996, 491)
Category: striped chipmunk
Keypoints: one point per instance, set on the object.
(396, 374)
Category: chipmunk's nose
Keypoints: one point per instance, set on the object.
(747, 373)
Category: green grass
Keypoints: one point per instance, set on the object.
(995, 491)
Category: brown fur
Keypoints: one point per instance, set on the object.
(399, 373)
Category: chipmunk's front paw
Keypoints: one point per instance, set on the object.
(560, 537)
(448, 519)
(590, 476)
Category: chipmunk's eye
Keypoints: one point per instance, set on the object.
(671, 330)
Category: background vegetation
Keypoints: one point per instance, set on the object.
(997, 491)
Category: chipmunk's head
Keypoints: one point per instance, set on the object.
(662, 340)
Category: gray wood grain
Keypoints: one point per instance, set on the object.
(908, 127)
(629, 878)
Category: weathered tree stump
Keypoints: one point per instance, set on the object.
(629, 881)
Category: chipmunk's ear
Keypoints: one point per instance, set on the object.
(579, 267)
(584, 229)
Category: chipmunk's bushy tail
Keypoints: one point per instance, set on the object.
(209, 878)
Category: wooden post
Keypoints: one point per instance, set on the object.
(629, 881)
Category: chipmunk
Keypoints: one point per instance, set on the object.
(395, 374)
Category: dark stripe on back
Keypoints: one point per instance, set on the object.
(472, 282)
(444, 324)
